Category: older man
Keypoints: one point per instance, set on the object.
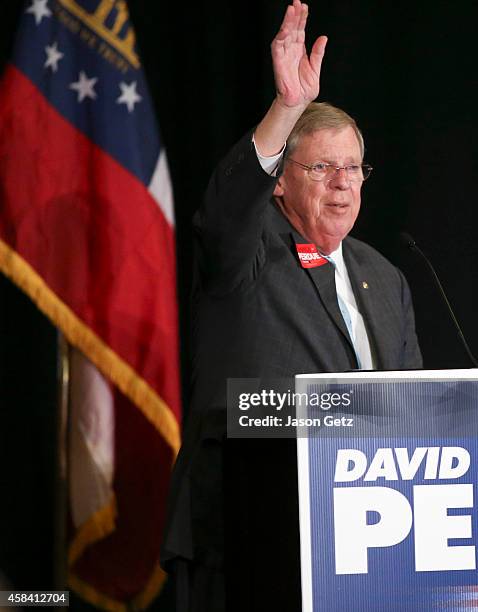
(280, 288)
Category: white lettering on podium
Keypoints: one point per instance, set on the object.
(409, 467)
(353, 537)
(351, 465)
(388, 463)
(382, 466)
(448, 454)
(433, 527)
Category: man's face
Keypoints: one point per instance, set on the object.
(323, 211)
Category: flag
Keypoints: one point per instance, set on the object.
(87, 231)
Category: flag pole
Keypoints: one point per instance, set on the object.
(61, 484)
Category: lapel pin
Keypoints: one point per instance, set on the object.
(365, 284)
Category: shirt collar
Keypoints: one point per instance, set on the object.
(337, 259)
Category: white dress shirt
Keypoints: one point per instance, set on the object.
(359, 334)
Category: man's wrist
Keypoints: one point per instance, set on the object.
(269, 163)
(295, 109)
(274, 130)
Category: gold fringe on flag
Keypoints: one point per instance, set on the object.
(113, 367)
(80, 335)
(97, 527)
(140, 602)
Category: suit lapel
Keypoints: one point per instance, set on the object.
(323, 278)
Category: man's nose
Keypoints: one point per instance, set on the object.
(339, 179)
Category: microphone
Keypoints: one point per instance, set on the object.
(412, 245)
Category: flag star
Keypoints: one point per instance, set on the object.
(53, 57)
(84, 87)
(129, 95)
(39, 9)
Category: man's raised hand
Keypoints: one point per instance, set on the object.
(297, 76)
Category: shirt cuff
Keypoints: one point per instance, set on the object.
(269, 164)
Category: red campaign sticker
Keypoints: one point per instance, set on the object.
(309, 257)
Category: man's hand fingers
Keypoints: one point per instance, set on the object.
(303, 17)
(294, 22)
(317, 53)
(287, 23)
(302, 22)
(280, 40)
(297, 8)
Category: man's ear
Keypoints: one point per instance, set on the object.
(279, 188)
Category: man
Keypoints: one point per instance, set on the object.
(259, 312)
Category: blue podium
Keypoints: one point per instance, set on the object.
(387, 474)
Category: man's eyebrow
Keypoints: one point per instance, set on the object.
(350, 162)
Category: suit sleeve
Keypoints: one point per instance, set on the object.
(412, 357)
(229, 225)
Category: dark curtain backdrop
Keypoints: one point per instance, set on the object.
(407, 71)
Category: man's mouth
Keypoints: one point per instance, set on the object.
(339, 205)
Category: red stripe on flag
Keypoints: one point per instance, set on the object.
(67, 206)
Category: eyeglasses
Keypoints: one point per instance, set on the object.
(321, 171)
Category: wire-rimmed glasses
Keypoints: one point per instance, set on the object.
(322, 171)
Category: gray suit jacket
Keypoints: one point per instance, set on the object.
(257, 313)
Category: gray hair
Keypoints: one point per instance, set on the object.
(320, 116)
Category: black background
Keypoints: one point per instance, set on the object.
(407, 72)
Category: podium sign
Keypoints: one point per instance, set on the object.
(388, 494)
